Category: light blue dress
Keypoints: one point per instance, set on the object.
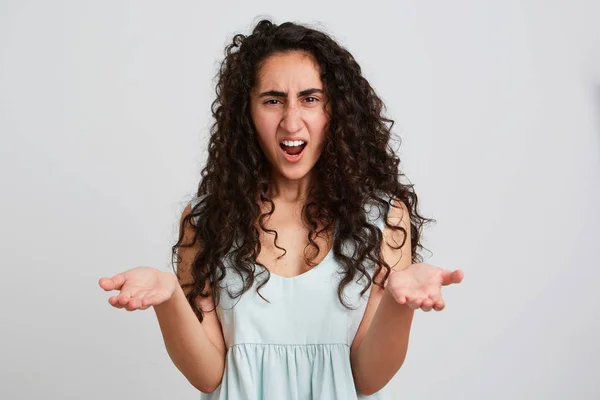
(297, 347)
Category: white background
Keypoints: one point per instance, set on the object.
(104, 115)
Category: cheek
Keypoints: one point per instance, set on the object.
(264, 129)
(266, 143)
(318, 127)
(266, 134)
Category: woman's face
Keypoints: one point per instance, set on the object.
(288, 110)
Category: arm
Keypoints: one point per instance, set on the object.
(380, 345)
(197, 349)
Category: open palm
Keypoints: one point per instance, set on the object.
(140, 288)
(419, 285)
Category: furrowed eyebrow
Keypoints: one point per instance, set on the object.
(276, 93)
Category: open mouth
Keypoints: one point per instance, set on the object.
(292, 148)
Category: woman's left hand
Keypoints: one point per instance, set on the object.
(420, 285)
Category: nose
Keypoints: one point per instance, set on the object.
(292, 118)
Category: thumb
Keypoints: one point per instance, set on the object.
(114, 283)
(450, 277)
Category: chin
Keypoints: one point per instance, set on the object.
(294, 174)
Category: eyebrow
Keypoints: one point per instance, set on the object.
(276, 93)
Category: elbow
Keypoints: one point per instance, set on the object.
(206, 387)
(368, 390)
(371, 383)
(206, 381)
(368, 387)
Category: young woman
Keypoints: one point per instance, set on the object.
(297, 268)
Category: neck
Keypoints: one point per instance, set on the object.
(290, 191)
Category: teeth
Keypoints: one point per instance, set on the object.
(290, 143)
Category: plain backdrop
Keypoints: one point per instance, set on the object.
(104, 116)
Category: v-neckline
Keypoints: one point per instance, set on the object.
(320, 264)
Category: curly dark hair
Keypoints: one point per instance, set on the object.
(357, 165)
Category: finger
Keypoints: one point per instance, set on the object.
(130, 305)
(134, 304)
(136, 300)
(450, 277)
(427, 304)
(400, 298)
(419, 301)
(114, 283)
(414, 303)
(114, 302)
(436, 297)
(124, 297)
(438, 302)
(143, 300)
(458, 276)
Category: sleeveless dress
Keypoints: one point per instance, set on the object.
(297, 346)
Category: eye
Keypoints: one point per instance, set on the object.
(314, 99)
(269, 101)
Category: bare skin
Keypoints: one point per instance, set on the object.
(292, 235)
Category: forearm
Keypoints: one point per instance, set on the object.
(383, 349)
(190, 349)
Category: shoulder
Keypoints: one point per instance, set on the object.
(396, 214)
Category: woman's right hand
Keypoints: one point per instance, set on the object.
(140, 288)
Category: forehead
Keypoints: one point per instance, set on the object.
(294, 68)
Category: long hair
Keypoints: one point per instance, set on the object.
(357, 166)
